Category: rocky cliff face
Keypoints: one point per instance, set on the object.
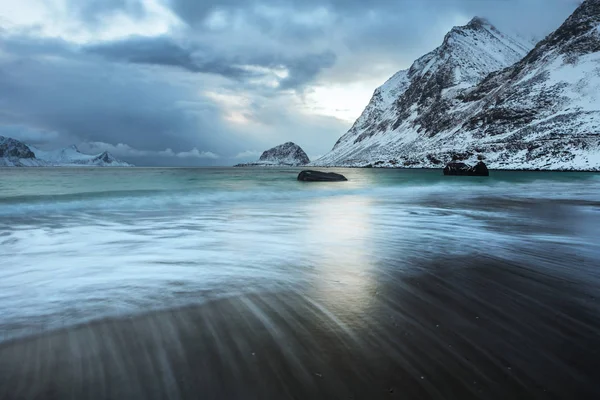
(11, 148)
(287, 154)
(463, 103)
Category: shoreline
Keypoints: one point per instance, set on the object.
(282, 166)
(408, 168)
(479, 329)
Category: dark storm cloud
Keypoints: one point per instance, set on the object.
(360, 34)
(70, 98)
(539, 14)
(165, 51)
(52, 94)
(305, 69)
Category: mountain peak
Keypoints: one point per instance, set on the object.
(478, 22)
(14, 149)
(476, 27)
(577, 36)
(585, 18)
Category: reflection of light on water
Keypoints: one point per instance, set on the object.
(339, 242)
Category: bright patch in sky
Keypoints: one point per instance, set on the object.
(236, 108)
(345, 102)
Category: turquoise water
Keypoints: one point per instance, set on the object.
(80, 244)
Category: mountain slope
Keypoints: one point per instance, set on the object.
(16, 154)
(419, 96)
(541, 112)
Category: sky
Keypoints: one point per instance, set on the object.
(193, 82)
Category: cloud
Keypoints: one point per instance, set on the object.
(197, 57)
(195, 153)
(248, 154)
(164, 51)
(126, 151)
(119, 150)
(93, 11)
(26, 134)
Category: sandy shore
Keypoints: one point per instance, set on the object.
(480, 329)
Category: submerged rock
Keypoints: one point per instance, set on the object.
(458, 168)
(318, 176)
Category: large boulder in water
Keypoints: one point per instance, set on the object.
(480, 169)
(458, 168)
(318, 176)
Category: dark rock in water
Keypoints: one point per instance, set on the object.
(480, 169)
(458, 168)
(318, 176)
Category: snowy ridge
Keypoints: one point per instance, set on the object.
(71, 156)
(14, 153)
(467, 55)
(462, 102)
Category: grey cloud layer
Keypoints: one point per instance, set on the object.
(92, 11)
(165, 51)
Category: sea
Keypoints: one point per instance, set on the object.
(244, 283)
(79, 244)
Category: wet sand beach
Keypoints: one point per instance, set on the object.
(484, 330)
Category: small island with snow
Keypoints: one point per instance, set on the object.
(285, 155)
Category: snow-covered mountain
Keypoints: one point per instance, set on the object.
(460, 101)
(287, 154)
(14, 153)
(72, 156)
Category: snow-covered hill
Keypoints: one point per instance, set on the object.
(14, 153)
(72, 156)
(541, 112)
(287, 154)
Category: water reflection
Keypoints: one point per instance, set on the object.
(339, 237)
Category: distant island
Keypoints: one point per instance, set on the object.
(285, 155)
(14, 153)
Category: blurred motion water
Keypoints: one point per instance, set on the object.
(407, 263)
